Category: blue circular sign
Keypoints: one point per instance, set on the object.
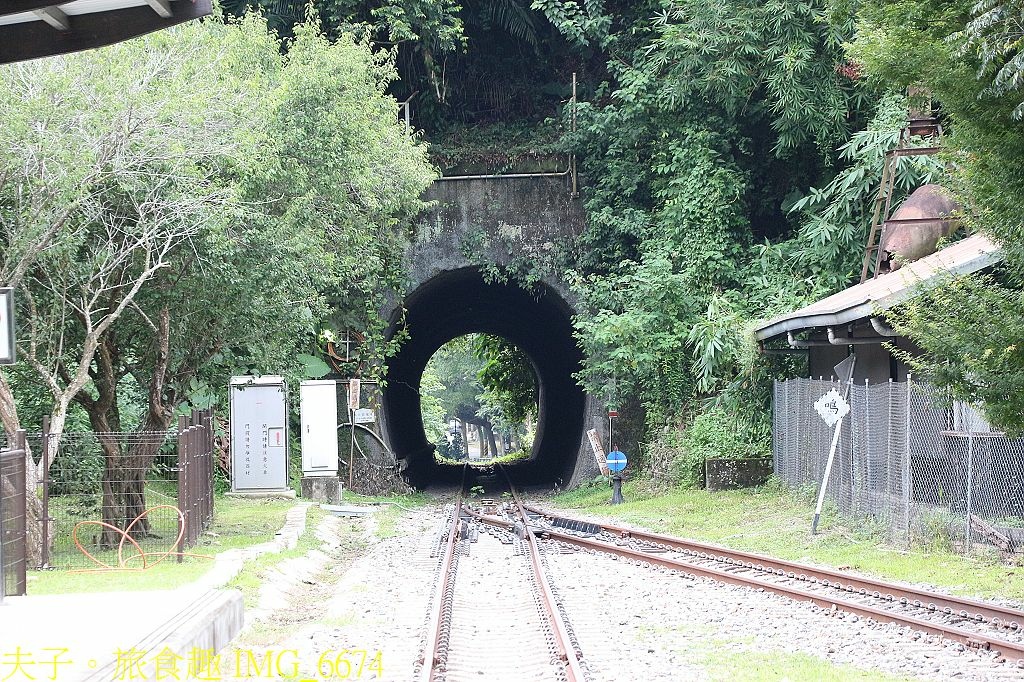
(616, 461)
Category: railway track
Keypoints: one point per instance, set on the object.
(493, 614)
(972, 623)
(518, 632)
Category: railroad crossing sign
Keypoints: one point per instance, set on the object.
(616, 461)
(7, 345)
(832, 407)
(353, 394)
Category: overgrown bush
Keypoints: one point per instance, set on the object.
(714, 434)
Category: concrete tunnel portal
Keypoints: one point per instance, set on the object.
(539, 322)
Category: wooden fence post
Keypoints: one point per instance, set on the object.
(44, 554)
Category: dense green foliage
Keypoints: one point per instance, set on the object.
(480, 380)
(224, 213)
(462, 65)
(731, 158)
(968, 55)
(507, 378)
(714, 434)
(715, 119)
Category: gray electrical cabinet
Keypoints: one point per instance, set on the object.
(318, 408)
(259, 433)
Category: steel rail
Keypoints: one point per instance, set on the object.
(435, 621)
(964, 607)
(567, 653)
(977, 640)
(1009, 650)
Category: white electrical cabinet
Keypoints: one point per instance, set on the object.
(259, 433)
(318, 405)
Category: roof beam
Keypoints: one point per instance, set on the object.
(19, 6)
(55, 17)
(161, 7)
(32, 39)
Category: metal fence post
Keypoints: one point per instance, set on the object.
(906, 462)
(970, 490)
(182, 484)
(210, 444)
(13, 540)
(22, 576)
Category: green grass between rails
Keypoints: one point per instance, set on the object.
(776, 522)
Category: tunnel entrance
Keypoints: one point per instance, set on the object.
(478, 400)
(538, 322)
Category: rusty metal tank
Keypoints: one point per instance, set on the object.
(915, 228)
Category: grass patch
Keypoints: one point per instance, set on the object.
(773, 521)
(251, 577)
(755, 666)
(391, 509)
(411, 500)
(237, 522)
(725, 659)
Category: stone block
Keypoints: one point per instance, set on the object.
(729, 474)
(322, 489)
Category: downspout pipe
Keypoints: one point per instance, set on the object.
(882, 327)
(798, 343)
(837, 340)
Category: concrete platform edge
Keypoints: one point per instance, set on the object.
(208, 622)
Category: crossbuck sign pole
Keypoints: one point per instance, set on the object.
(824, 479)
(833, 408)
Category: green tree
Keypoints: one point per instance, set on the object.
(715, 119)
(229, 210)
(965, 55)
(508, 380)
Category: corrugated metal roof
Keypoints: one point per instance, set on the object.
(866, 299)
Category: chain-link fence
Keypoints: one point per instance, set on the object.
(915, 469)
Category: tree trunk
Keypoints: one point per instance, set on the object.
(126, 466)
(492, 446)
(482, 440)
(465, 437)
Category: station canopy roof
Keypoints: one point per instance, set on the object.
(41, 28)
(869, 298)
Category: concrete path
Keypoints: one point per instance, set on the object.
(146, 635)
(99, 636)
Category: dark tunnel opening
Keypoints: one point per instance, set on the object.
(539, 322)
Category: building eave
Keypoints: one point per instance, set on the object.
(869, 298)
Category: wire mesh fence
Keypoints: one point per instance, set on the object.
(13, 541)
(120, 499)
(913, 468)
(99, 484)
